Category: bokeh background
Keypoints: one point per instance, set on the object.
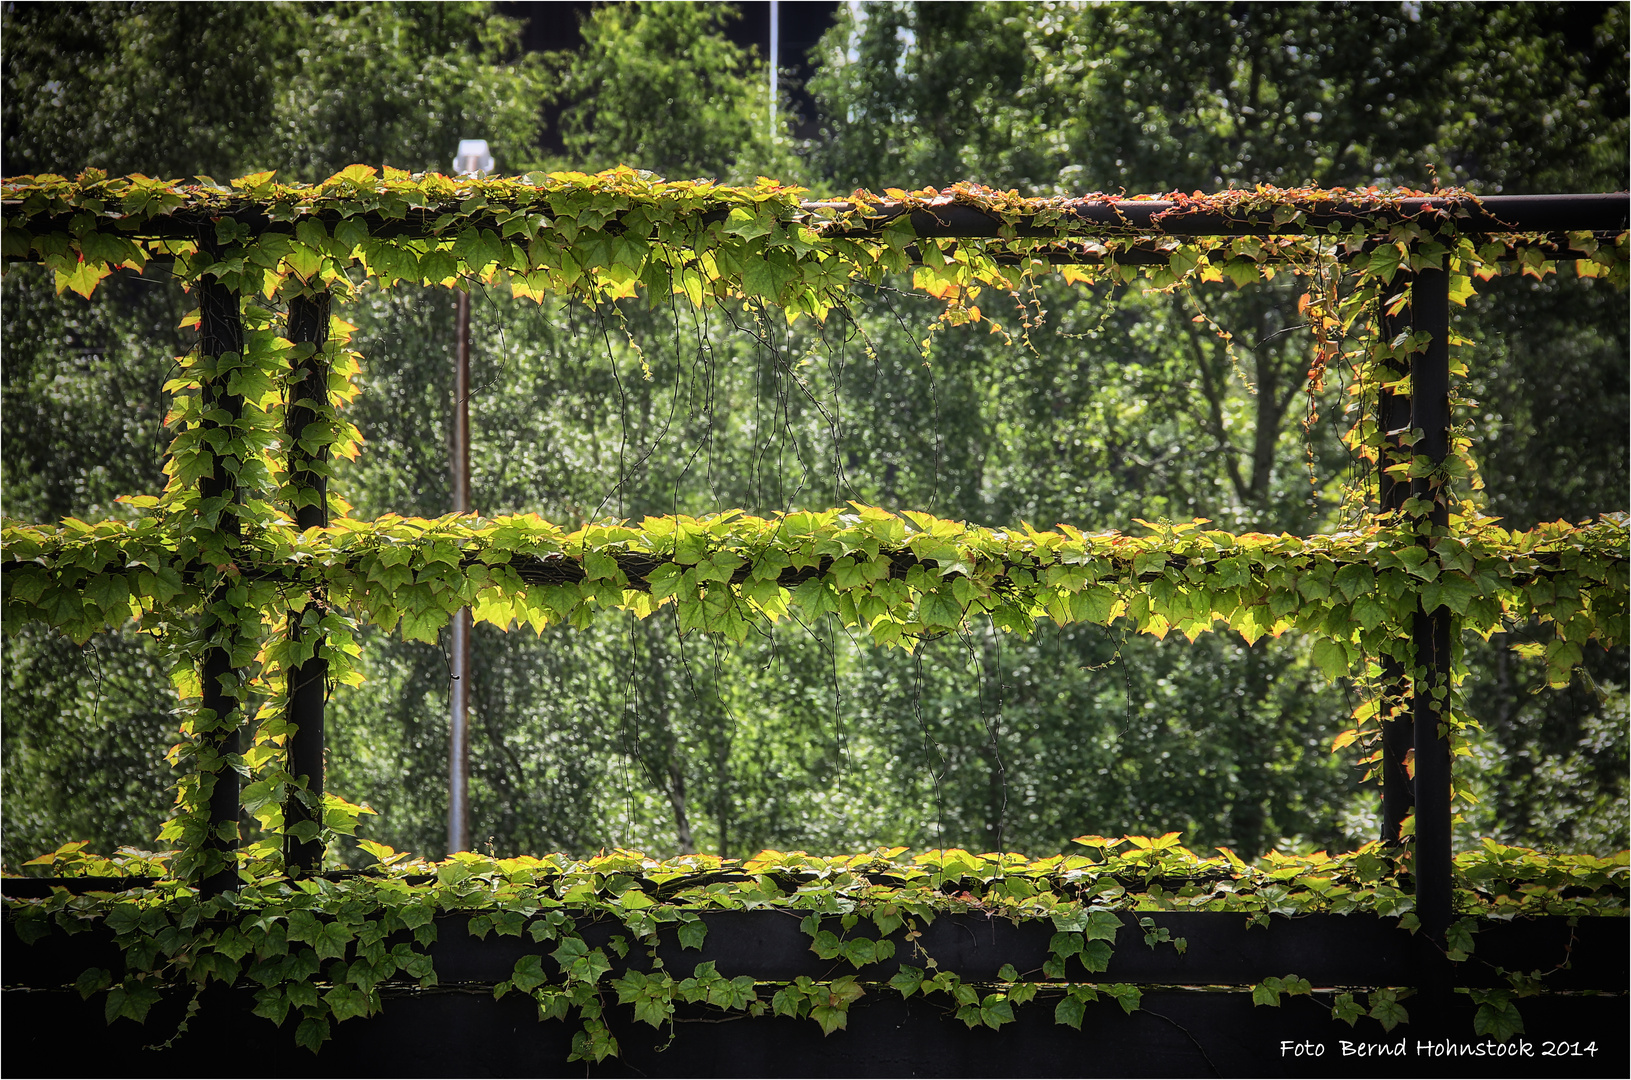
(1116, 408)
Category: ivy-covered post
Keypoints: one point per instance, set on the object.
(1393, 424)
(307, 681)
(1430, 419)
(218, 534)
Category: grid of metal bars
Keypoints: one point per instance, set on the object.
(1426, 411)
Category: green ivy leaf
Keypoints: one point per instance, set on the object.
(1065, 945)
(654, 1009)
(995, 1011)
(302, 995)
(1386, 1010)
(529, 973)
(1101, 925)
(331, 941)
(692, 934)
(131, 999)
(312, 1033)
(272, 1003)
(599, 566)
(35, 925)
(1330, 657)
(552, 1004)
(1497, 1015)
(1069, 918)
(746, 224)
(1459, 937)
(1346, 1009)
(789, 1001)
(1095, 956)
(92, 980)
(906, 980)
(937, 609)
(1128, 996)
(345, 1002)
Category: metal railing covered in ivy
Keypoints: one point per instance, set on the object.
(249, 565)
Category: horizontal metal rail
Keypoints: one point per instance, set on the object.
(1595, 212)
(637, 566)
(1222, 948)
(1602, 213)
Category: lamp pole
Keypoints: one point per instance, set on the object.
(775, 60)
(472, 159)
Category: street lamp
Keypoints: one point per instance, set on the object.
(775, 60)
(472, 158)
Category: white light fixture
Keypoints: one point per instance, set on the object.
(472, 158)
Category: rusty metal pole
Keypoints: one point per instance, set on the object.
(471, 159)
(458, 769)
(775, 62)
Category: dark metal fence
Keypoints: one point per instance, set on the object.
(1425, 410)
(1346, 949)
(1192, 1020)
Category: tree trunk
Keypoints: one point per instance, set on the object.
(1247, 818)
(675, 789)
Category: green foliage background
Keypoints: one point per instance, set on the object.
(1122, 407)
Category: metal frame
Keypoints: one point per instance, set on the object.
(1426, 412)
(458, 1028)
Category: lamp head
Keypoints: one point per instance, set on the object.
(472, 158)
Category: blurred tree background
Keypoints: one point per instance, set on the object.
(628, 734)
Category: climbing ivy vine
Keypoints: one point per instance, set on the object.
(324, 951)
(215, 565)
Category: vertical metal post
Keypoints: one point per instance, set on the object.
(1398, 728)
(472, 159)
(458, 787)
(1434, 851)
(220, 332)
(308, 682)
(1430, 409)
